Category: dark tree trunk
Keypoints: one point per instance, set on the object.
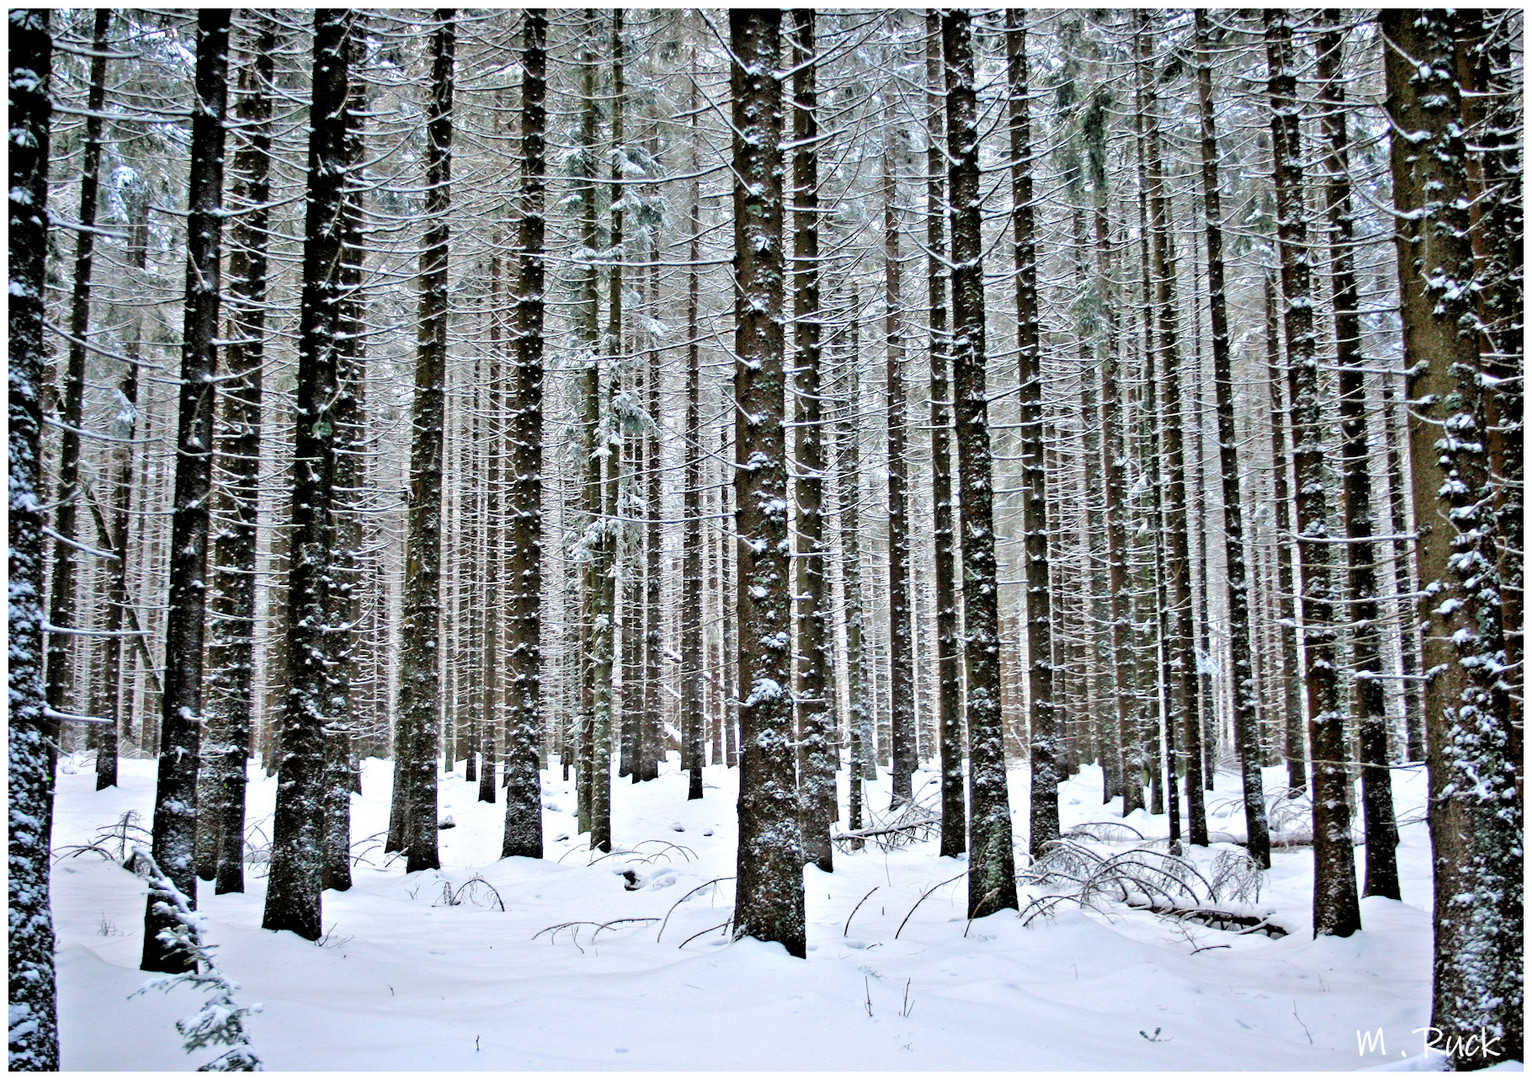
(692, 720)
(901, 657)
(1472, 752)
(231, 652)
(769, 877)
(992, 862)
(949, 649)
(417, 728)
(1183, 717)
(1114, 467)
(818, 759)
(523, 798)
(1045, 745)
(1287, 674)
(61, 596)
(1382, 833)
(293, 889)
(351, 449)
(1335, 896)
(175, 806)
(118, 611)
(34, 1044)
(1247, 736)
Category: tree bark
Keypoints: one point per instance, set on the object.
(818, 759)
(417, 728)
(1335, 896)
(1045, 744)
(992, 862)
(523, 789)
(1472, 752)
(231, 652)
(175, 806)
(293, 890)
(769, 877)
(1247, 735)
(29, 791)
(949, 650)
(1382, 877)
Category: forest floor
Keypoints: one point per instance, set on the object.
(404, 980)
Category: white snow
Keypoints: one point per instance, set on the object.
(404, 981)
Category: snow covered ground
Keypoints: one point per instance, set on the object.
(406, 981)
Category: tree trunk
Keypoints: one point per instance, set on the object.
(692, 719)
(818, 760)
(351, 450)
(524, 724)
(1183, 714)
(1473, 753)
(900, 656)
(61, 596)
(1382, 877)
(293, 891)
(34, 1044)
(231, 652)
(769, 878)
(1247, 735)
(949, 650)
(1045, 745)
(992, 862)
(175, 807)
(420, 658)
(1335, 896)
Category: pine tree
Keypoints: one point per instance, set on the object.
(949, 676)
(523, 801)
(1246, 708)
(818, 759)
(769, 880)
(1045, 747)
(62, 595)
(1472, 752)
(417, 728)
(992, 862)
(175, 801)
(232, 625)
(293, 890)
(29, 766)
(1382, 878)
(1335, 895)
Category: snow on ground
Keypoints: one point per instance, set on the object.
(405, 981)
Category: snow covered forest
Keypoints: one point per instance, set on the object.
(736, 539)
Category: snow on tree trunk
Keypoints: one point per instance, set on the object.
(1247, 736)
(769, 879)
(901, 657)
(29, 766)
(992, 861)
(293, 889)
(1335, 893)
(231, 622)
(1045, 744)
(949, 649)
(61, 596)
(1114, 466)
(1473, 753)
(1382, 877)
(351, 450)
(175, 800)
(818, 758)
(1183, 715)
(523, 738)
(692, 719)
(420, 681)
